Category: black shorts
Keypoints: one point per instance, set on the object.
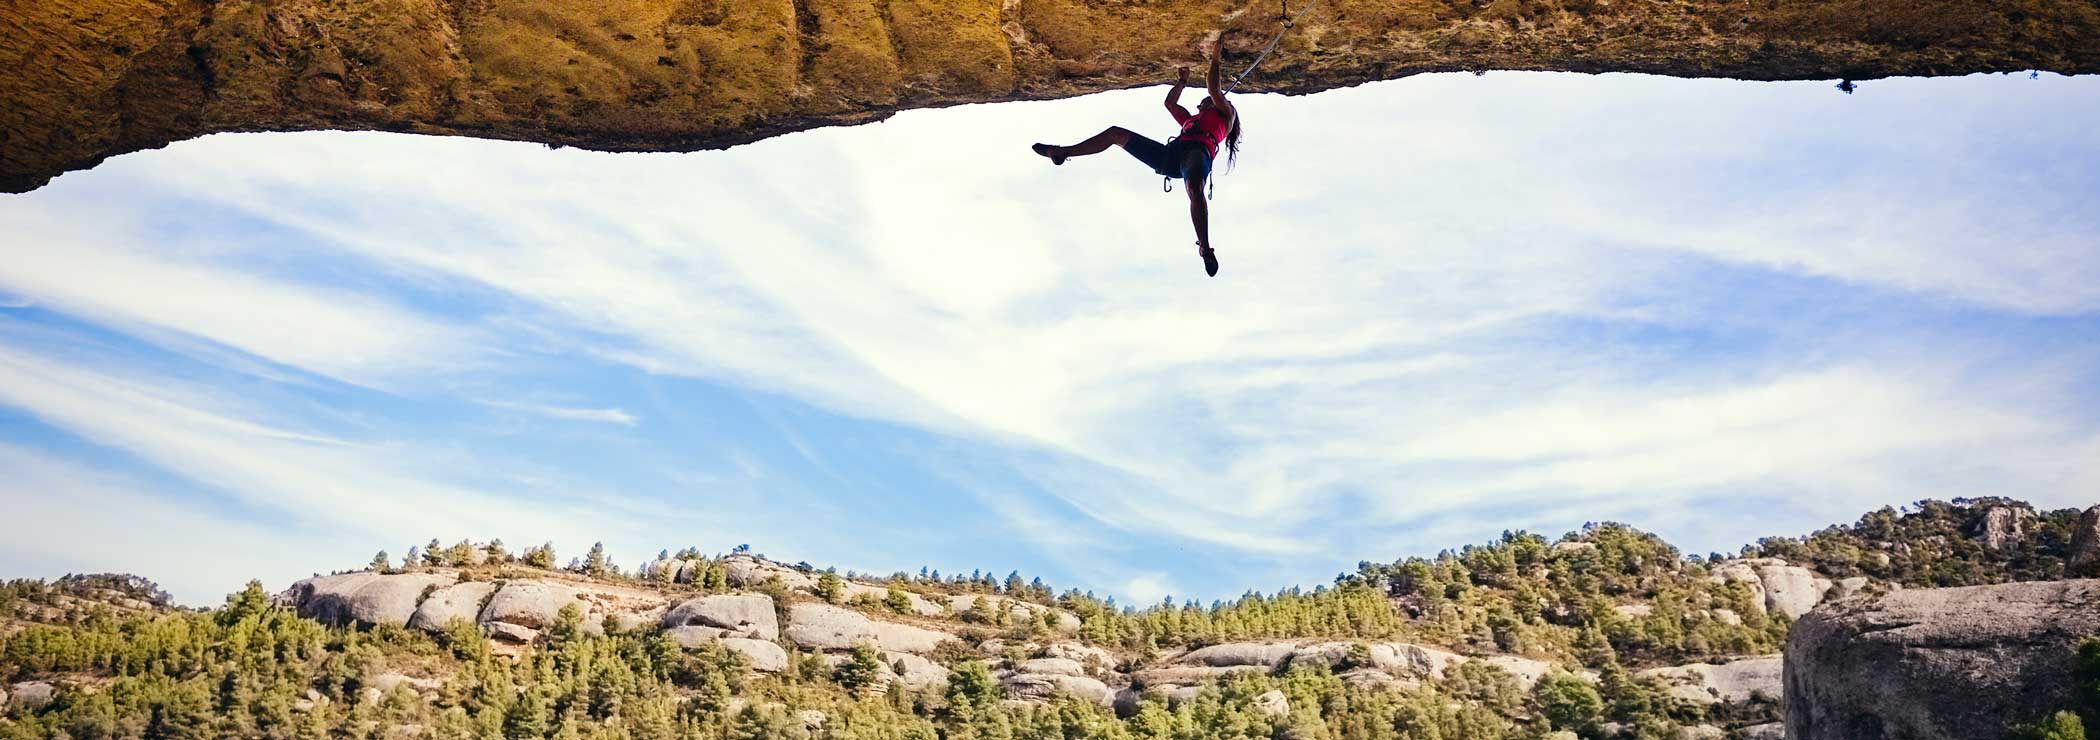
(1172, 159)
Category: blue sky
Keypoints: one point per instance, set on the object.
(1450, 305)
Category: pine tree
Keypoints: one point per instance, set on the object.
(380, 564)
(434, 553)
(595, 564)
(829, 587)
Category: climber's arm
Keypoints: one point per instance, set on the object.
(1210, 78)
(1174, 97)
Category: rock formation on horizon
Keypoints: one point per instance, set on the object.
(82, 80)
(1938, 664)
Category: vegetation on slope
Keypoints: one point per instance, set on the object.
(1607, 599)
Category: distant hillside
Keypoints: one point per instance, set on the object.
(1603, 632)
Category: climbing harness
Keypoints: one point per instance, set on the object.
(1290, 20)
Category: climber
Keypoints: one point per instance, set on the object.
(1187, 156)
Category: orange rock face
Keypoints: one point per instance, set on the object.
(81, 80)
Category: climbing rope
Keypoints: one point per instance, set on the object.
(1289, 20)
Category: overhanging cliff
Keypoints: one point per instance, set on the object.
(82, 80)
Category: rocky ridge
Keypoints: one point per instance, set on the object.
(515, 608)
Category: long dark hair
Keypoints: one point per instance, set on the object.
(1232, 141)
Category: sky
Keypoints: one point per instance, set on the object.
(1450, 305)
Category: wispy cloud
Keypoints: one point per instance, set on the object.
(607, 416)
(1445, 324)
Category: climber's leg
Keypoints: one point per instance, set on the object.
(1196, 170)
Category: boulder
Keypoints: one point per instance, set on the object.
(363, 598)
(1173, 693)
(1273, 703)
(694, 637)
(636, 621)
(2085, 544)
(1735, 682)
(827, 627)
(751, 572)
(1408, 660)
(1573, 548)
(2004, 527)
(916, 673)
(764, 655)
(29, 696)
(1265, 654)
(1372, 678)
(1045, 686)
(460, 601)
(515, 634)
(812, 719)
(1061, 666)
(537, 603)
(1527, 671)
(1188, 675)
(750, 615)
(1937, 664)
(1775, 586)
(1766, 731)
(1086, 655)
(1702, 732)
(530, 603)
(391, 681)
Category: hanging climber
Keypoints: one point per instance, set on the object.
(1187, 156)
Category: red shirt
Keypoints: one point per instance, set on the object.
(1208, 126)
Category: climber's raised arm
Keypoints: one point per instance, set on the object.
(1210, 78)
(1174, 97)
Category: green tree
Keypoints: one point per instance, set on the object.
(862, 670)
(1569, 702)
(897, 600)
(540, 557)
(380, 564)
(2063, 725)
(829, 587)
(594, 563)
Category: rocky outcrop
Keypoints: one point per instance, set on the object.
(916, 673)
(538, 603)
(750, 571)
(29, 696)
(363, 598)
(1937, 663)
(750, 615)
(1735, 682)
(457, 602)
(2085, 544)
(1047, 686)
(826, 627)
(1776, 587)
(81, 80)
(764, 655)
(1273, 703)
(2004, 527)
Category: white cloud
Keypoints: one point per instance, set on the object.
(109, 269)
(1148, 588)
(606, 416)
(1440, 312)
